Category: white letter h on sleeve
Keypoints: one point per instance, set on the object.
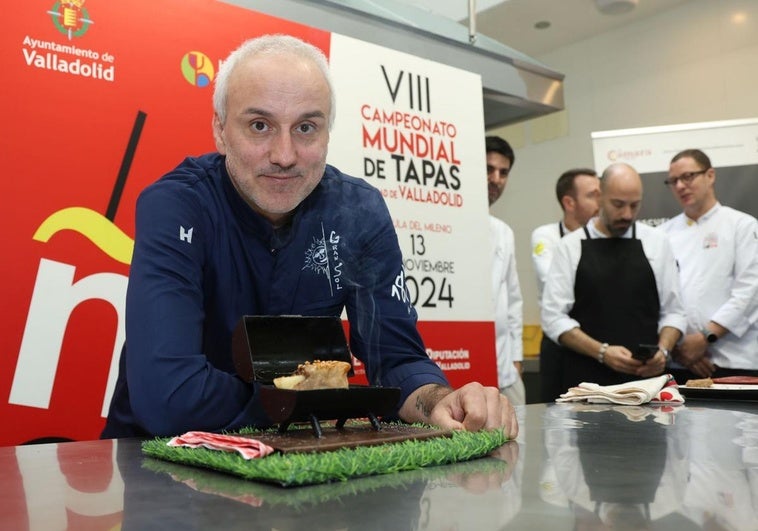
(186, 234)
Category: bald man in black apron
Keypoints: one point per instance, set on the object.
(613, 286)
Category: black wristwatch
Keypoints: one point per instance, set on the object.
(710, 337)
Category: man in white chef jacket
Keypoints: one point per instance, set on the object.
(716, 248)
(577, 191)
(506, 289)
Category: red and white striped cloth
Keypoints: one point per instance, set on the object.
(245, 446)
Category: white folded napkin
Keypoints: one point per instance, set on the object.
(660, 389)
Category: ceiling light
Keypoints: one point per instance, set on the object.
(739, 18)
(615, 7)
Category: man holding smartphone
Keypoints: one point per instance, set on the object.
(612, 286)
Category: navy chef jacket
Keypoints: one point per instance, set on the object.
(203, 259)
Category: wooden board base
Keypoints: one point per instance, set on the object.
(302, 438)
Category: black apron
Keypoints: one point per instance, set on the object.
(616, 302)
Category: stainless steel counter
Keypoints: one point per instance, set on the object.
(572, 467)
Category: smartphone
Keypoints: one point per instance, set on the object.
(645, 352)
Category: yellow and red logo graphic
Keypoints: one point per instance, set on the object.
(71, 18)
(197, 69)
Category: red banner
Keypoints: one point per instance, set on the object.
(101, 99)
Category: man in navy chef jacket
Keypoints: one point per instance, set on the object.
(266, 227)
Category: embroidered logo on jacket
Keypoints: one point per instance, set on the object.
(400, 291)
(323, 257)
(185, 235)
(711, 241)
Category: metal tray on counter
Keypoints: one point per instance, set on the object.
(721, 392)
(266, 347)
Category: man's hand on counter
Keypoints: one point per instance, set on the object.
(472, 407)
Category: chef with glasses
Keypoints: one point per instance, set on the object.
(716, 248)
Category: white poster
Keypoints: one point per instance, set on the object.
(414, 129)
(731, 145)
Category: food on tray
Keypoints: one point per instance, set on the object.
(329, 374)
(737, 380)
(701, 382)
(288, 382)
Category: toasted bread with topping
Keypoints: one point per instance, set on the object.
(330, 374)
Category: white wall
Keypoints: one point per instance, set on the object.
(689, 64)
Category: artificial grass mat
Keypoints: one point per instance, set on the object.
(294, 469)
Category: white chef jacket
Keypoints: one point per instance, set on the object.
(558, 298)
(544, 240)
(508, 303)
(718, 271)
